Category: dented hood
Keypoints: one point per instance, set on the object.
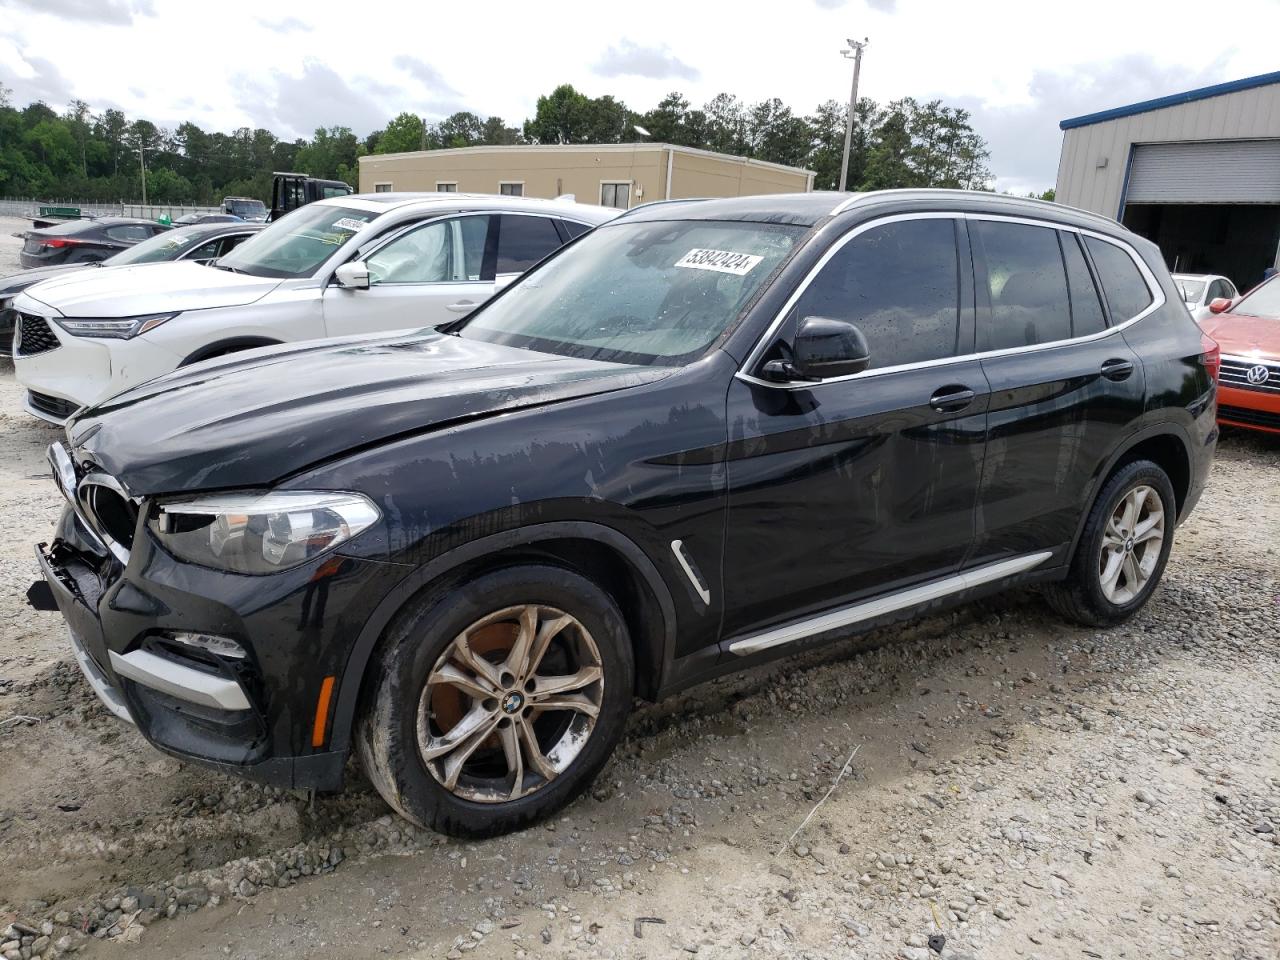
(253, 418)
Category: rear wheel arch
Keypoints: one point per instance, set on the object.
(1164, 445)
(600, 553)
(231, 345)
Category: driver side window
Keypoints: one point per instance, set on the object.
(443, 251)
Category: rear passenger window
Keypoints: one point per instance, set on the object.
(1028, 286)
(523, 241)
(1086, 308)
(130, 232)
(1127, 293)
(900, 284)
(574, 229)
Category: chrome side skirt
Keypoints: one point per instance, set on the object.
(878, 607)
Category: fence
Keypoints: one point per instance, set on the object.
(26, 207)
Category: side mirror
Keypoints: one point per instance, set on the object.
(353, 275)
(1219, 305)
(822, 349)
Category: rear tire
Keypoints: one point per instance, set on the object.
(497, 701)
(1123, 550)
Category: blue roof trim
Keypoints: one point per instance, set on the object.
(1203, 93)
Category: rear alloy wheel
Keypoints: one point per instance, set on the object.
(497, 700)
(1123, 549)
(1131, 545)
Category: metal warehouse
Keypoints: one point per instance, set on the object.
(612, 174)
(1196, 172)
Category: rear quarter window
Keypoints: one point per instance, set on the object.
(1123, 285)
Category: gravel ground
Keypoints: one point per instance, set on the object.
(1020, 787)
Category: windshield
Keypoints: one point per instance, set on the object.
(247, 208)
(645, 293)
(1191, 289)
(163, 246)
(1263, 301)
(296, 245)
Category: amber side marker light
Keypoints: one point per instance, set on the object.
(318, 731)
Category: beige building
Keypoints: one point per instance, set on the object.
(1198, 172)
(613, 174)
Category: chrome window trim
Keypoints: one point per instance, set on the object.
(767, 338)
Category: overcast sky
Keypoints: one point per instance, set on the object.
(293, 66)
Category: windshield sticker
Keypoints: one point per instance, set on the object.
(721, 261)
(348, 223)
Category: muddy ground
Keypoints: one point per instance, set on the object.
(1022, 787)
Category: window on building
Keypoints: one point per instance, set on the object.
(508, 189)
(616, 195)
(446, 186)
(382, 187)
(900, 284)
(1028, 286)
(1086, 307)
(523, 241)
(1127, 292)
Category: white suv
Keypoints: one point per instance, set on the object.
(340, 267)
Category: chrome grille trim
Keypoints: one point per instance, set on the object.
(75, 484)
(1235, 373)
(86, 509)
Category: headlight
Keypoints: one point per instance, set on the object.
(260, 532)
(124, 328)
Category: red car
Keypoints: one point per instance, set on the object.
(1249, 334)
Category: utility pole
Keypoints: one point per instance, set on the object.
(854, 53)
(143, 164)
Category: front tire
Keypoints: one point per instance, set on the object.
(497, 701)
(1123, 550)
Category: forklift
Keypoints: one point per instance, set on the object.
(292, 190)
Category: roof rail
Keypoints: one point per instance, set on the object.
(655, 203)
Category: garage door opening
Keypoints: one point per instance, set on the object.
(1238, 241)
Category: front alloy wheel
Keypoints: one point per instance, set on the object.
(510, 703)
(495, 700)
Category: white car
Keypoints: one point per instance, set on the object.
(346, 266)
(1201, 289)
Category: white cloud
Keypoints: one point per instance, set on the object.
(631, 59)
(114, 12)
(357, 69)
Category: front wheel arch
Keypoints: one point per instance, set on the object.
(231, 345)
(654, 646)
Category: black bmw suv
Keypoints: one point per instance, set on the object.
(704, 435)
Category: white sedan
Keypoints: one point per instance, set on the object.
(1201, 289)
(346, 266)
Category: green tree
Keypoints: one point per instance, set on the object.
(726, 125)
(402, 134)
(559, 117)
(497, 133)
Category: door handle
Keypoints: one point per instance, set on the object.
(1117, 369)
(461, 306)
(951, 399)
